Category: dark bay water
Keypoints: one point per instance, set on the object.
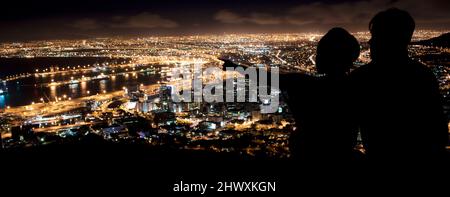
(12, 66)
(31, 89)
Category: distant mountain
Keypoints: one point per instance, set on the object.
(440, 41)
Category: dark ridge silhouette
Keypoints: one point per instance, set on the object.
(440, 41)
(398, 106)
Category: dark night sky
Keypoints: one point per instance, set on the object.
(23, 20)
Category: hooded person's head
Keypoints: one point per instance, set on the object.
(336, 52)
(391, 31)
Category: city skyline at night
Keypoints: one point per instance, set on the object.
(207, 97)
(91, 68)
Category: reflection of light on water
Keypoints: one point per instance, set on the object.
(73, 88)
(2, 101)
(52, 91)
(102, 85)
(113, 82)
(83, 86)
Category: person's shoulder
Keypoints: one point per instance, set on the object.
(361, 71)
(299, 77)
(417, 65)
(421, 66)
(298, 81)
(421, 69)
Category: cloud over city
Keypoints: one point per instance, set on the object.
(143, 20)
(360, 12)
